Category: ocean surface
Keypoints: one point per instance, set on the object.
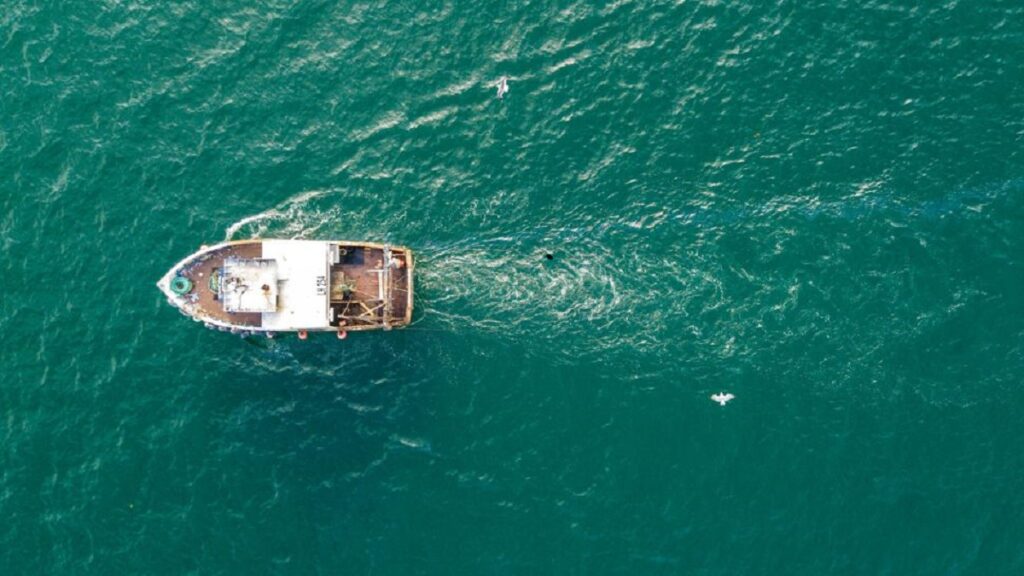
(816, 205)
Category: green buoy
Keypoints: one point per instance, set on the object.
(181, 285)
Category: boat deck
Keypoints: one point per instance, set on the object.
(355, 288)
(356, 295)
(200, 272)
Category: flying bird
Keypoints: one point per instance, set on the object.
(722, 398)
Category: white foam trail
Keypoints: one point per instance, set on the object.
(589, 300)
(234, 228)
(290, 212)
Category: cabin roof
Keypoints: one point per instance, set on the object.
(302, 283)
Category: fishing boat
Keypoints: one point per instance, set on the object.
(264, 286)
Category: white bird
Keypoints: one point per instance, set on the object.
(502, 86)
(722, 398)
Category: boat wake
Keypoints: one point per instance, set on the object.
(588, 298)
(297, 217)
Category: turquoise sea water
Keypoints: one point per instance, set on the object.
(817, 206)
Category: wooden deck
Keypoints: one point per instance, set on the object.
(356, 294)
(355, 288)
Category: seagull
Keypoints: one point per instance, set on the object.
(722, 398)
(502, 86)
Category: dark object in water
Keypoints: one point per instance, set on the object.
(549, 256)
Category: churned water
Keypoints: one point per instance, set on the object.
(817, 206)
